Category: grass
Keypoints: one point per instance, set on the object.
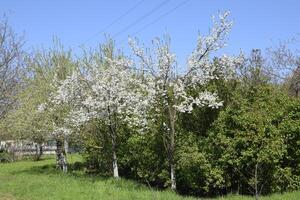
(28, 180)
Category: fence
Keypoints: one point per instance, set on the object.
(27, 147)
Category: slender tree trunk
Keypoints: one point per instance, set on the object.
(61, 159)
(172, 162)
(173, 179)
(57, 151)
(38, 151)
(113, 134)
(172, 148)
(41, 150)
(256, 182)
(115, 160)
(66, 146)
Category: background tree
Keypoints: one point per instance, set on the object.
(31, 120)
(11, 65)
(59, 64)
(284, 62)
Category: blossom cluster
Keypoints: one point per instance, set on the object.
(110, 93)
(171, 87)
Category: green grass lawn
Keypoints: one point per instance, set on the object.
(40, 181)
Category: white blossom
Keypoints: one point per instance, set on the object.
(61, 132)
(42, 107)
(117, 90)
(109, 92)
(200, 69)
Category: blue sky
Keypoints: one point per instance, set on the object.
(257, 23)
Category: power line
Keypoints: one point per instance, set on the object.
(116, 20)
(141, 18)
(157, 19)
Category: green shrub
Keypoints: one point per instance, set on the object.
(5, 157)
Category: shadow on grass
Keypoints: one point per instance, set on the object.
(48, 169)
(78, 171)
(75, 170)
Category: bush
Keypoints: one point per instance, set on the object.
(5, 157)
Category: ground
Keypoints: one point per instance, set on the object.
(29, 180)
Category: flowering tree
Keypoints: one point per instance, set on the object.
(57, 64)
(110, 91)
(56, 129)
(58, 112)
(170, 88)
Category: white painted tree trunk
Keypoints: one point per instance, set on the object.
(115, 160)
(66, 146)
(173, 179)
(172, 118)
(113, 136)
(64, 164)
(61, 158)
(39, 151)
(115, 165)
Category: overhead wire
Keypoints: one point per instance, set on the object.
(116, 20)
(138, 20)
(157, 19)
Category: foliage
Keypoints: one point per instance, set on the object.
(5, 157)
(247, 135)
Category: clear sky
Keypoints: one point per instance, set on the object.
(257, 23)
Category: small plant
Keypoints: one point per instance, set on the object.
(5, 157)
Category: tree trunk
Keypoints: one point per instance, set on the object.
(38, 151)
(66, 146)
(256, 182)
(172, 148)
(173, 179)
(115, 160)
(113, 134)
(61, 159)
(41, 150)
